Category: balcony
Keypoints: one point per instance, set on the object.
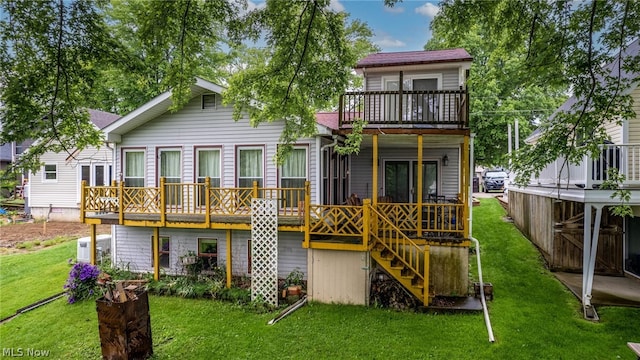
(442, 109)
(590, 173)
(198, 205)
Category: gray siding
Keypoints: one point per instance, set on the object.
(193, 127)
(134, 249)
(634, 124)
(362, 172)
(63, 194)
(450, 78)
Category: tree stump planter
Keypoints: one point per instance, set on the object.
(125, 328)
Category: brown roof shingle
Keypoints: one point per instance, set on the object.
(414, 58)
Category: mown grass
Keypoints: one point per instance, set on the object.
(26, 278)
(533, 317)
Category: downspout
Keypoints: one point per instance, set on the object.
(487, 321)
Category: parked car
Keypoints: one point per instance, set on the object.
(494, 180)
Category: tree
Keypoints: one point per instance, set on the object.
(498, 97)
(561, 44)
(59, 57)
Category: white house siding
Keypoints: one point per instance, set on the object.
(450, 78)
(194, 127)
(59, 200)
(134, 249)
(362, 173)
(634, 124)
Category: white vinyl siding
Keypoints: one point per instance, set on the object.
(634, 124)
(450, 78)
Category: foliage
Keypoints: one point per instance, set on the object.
(295, 277)
(562, 44)
(353, 139)
(82, 282)
(613, 182)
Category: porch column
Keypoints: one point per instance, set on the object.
(374, 181)
(156, 253)
(590, 251)
(92, 233)
(229, 264)
(465, 184)
(420, 182)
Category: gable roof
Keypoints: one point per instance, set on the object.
(614, 69)
(102, 119)
(153, 108)
(328, 119)
(414, 58)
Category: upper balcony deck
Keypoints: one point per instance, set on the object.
(442, 109)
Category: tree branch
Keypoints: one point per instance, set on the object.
(59, 69)
(304, 50)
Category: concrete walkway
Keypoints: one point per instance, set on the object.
(607, 290)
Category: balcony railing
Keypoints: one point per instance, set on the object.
(200, 203)
(592, 172)
(439, 108)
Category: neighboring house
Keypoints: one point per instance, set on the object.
(54, 190)
(9, 153)
(197, 181)
(551, 209)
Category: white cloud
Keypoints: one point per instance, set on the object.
(394, 10)
(252, 5)
(389, 42)
(428, 9)
(336, 6)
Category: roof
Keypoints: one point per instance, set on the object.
(102, 119)
(328, 119)
(614, 68)
(414, 58)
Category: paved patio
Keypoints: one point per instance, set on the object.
(607, 290)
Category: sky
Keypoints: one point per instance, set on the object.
(404, 27)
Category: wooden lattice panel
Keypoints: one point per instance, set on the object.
(337, 220)
(264, 250)
(141, 200)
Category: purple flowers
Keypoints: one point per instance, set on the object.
(81, 283)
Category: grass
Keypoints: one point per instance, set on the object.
(533, 317)
(26, 278)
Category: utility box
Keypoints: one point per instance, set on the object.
(103, 246)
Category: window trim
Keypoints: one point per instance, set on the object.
(196, 161)
(307, 170)
(239, 148)
(208, 255)
(45, 172)
(159, 151)
(123, 164)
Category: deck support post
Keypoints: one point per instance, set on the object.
(420, 184)
(121, 205)
(366, 220)
(83, 197)
(163, 203)
(374, 181)
(307, 214)
(92, 233)
(156, 253)
(229, 264)
(207, 202)
(465, 186)
(590, 251)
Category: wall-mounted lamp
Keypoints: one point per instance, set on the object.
(445, 160)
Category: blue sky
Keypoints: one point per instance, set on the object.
(404, 27)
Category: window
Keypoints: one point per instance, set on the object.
(134, 168)
(208, 165)
(208, 252)
(293, 174)
(208, 101)
(165, 251)
(170, 166)
(50, 172)
(250, 165)
(94, 175)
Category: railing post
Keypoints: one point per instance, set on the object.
(366, 220)
(588, 164)
(83, 199)
(400, 98)
(163, 203)
(207, 201)
(425, 285)
(340, 111)
(307, 214)
(254, 191)
(121, 206)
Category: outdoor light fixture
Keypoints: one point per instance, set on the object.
(445, 160)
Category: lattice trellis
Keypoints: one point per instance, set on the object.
(264, 250)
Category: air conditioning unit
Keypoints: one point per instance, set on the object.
(103, 246)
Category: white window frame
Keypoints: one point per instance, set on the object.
(124, 165)
(92, 175)
(45, 172)
(238, 165)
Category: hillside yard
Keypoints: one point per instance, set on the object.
(13, 234)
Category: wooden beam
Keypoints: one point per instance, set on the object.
(374, 181)
(156, 253)
(92, 232)
(229, 257)
(407, 131)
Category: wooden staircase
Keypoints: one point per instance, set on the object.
(400, 256)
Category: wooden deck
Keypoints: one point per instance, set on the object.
(241, 222)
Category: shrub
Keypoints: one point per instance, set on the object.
(82, 282)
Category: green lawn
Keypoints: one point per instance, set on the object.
(533, 316)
